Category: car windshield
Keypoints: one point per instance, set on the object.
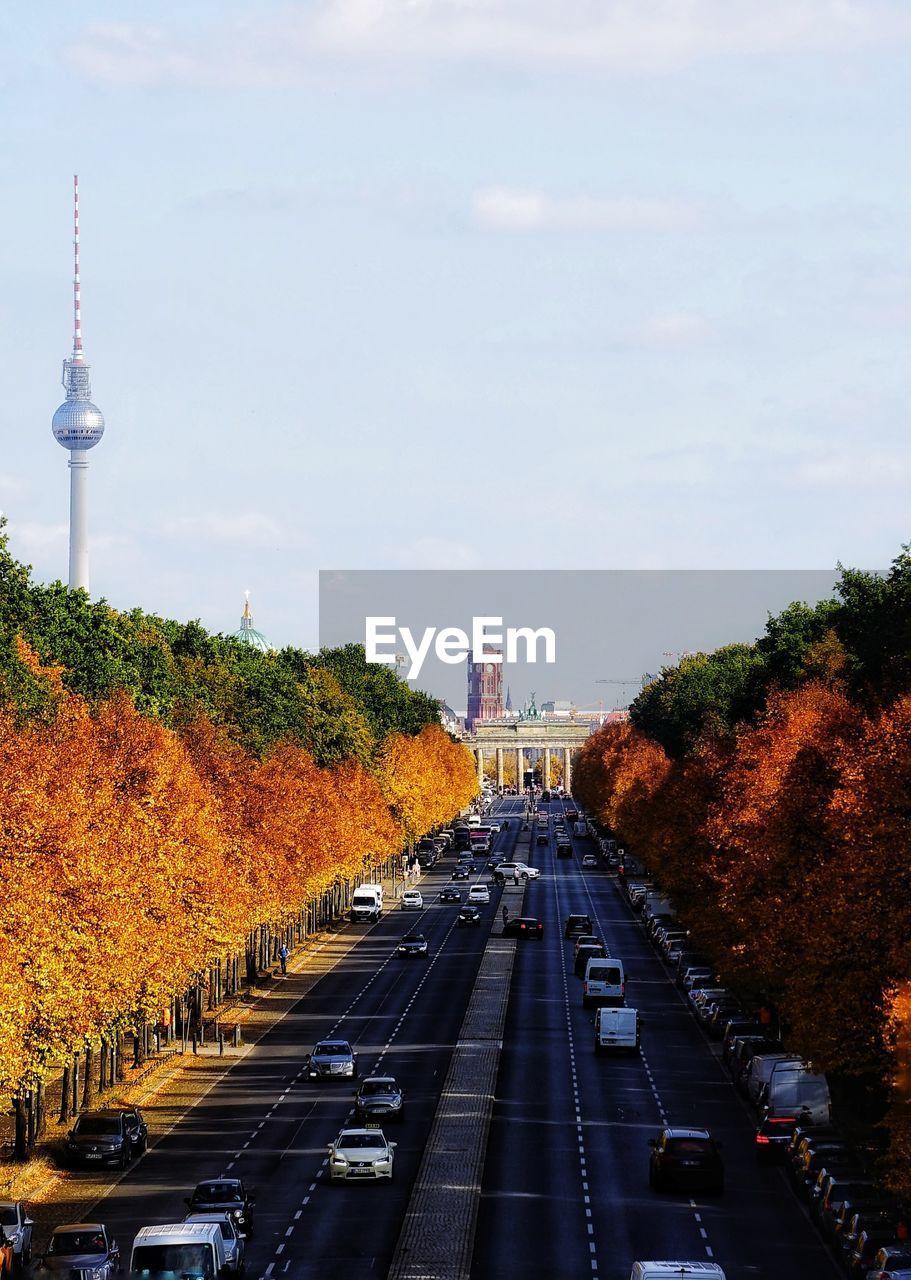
(689, 1146)
(413, 937)
(154, 1260)
(218, 1191)
(8, 1216)
(333, 1047)
(604, 973)
(92, 1126)
(227, 1229)
(371, 1087)
(72, 1242)
(361, 1142)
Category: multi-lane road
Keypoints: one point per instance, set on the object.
(565, 1189)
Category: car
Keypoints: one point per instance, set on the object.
(572, 815)
(738, 1026)
(225, 1195)
(892, 1257)
(234, 1243)
(493, 827)
(685, 1158)
(479, 893)
(460, 873)
(17, 1226)
(587, 940)
(589, 861)
(542, 838)
(469, 916)
(866, 1244)
(585, 953)
(676, 1270)
(82, 1249)
(697, 975)
(412, 900)
(379, 1099)
(523, 927)
(564, 849)
(510, 869)
(772, 1138)
(361, 1155)
(450, 894)
(575, 924)
(137, 1129)
(100, 1138)
(413, 944)
(331, 1059)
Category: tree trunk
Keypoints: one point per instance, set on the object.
(65, 1088)
(75, 1082)
(40, 1118)
(103, 1066)
(20, 1148)
(250, 958)
(139, 1043)
(87, 1083)
(30, 1117)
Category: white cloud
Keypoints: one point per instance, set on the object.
(673, 330)
(292, 45)
(434, 553)
(874, 471)
(251, 528)
(34, 539)
(503, 208)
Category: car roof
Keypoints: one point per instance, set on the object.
(219, 1182)
(320, 1044)
(80, 1226)
(686, 1133)
(378, 1080)
(371, 1133)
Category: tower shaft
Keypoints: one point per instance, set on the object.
(79, 523)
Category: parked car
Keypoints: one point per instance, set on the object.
(772, 1138)
(331, 1059)
(739, 1026)
(225, 1195)
(685, 1159)
(523, 927)
(379, 1099)
(83, 1249)
(16, 1225)
(100, 1138)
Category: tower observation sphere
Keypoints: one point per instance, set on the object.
(78, 425)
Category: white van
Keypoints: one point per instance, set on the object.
(760, 1069)
(665, 1270)
(797, 1091)
(579, 828)
(617, 1029)
(178, 1248)
(604, 982)
(474, 820)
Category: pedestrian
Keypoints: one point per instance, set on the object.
(283, 957)
(765, 1017)
(515, 877)
(505, 916)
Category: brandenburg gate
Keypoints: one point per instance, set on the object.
(545, 734)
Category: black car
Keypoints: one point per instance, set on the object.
(523, 927)
(450, 894)
(413, 944)
(379, 1099)
(225, 1195)
(772, 1138)
(82, 1249)
(576, 924)
(542, 837)
(469, 915)
(100, 1138)
(137, 1129)
(460, 873)
(685, 1158)
(564, 849)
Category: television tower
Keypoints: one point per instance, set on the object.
(78, 426)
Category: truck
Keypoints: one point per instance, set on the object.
(178, 1249)
(367, 903)
(617, 1029)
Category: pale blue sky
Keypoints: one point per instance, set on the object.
(457, 284)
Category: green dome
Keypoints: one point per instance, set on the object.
(248, 634)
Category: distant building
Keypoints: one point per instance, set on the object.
(247, 633)
(485, 690)
(451, 721)
(560, 707)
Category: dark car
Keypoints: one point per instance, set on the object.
(738, 1026)
(100, 1138)
(542, 837)
(413, 945)
(225, 1195)
(379, 1099)
(564, 849)
(740, 1059)
(523, 927)
(807, 1135)
(572, 815)
(460, 873)
(137, 1129)
(685, 1159)
(449, 893)
(589, 951)
(469, 916)
(82, 1249)
(835, 1191)
(331, 1059)
(821, 1165)
(576, 924)
(877, 1213)
(772, 1138)
(892, 1257)
(869, 1242)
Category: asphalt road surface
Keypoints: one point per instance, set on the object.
(565, 1189)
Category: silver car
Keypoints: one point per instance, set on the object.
(361, 1155)
(331, 1059)
(17, 1227)
(235, 1245)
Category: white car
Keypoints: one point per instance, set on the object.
(479, 893)
(493, 826)
(361, 1155)
(509, 869)
(412, 900)
(589, 860)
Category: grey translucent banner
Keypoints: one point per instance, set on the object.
(610, 628)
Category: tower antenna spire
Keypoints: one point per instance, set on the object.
(77, 286)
